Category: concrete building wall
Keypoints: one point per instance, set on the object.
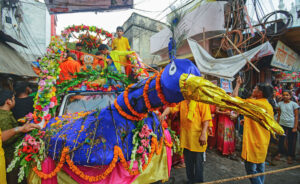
(32, 28)
(138, 29)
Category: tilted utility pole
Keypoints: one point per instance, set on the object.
(1, 5)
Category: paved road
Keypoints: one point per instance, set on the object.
(220, 167)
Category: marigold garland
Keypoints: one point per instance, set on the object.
(123, 113)
(127, 103)
(145, 94)
(138, 116)
(45, 176)
(168, 144)
(160, 92)
(155, 148)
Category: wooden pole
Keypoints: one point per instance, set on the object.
(203, 38)
(242, 54)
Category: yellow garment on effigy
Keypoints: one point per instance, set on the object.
(121, 44)
(190, 130)
(115, 56)
(255, 137)
(2, 163)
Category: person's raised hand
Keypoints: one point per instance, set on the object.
(161, 118)
(239, 80)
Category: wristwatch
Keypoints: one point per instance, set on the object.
(17, 130)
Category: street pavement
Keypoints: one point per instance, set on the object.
(218, 167)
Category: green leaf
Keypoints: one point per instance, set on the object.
(23, 162)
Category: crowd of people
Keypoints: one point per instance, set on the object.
(201, 125)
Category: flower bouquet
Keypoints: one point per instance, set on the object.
(176, 142)
(29, 152)
(141, 144)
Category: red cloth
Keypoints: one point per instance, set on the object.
(128, 68)
(225, 140)
(98, 62)
(48, 166)
(78, 55)
(212, 139)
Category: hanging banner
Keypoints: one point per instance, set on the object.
(287, 76)
(226, 85)
(285, 58)
(75, 6)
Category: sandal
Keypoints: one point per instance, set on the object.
(290, 160)
(181, 165)
(277, 157)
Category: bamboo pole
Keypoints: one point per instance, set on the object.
(242, 54)
(252, 175)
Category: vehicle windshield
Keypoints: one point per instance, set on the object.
(88, 102)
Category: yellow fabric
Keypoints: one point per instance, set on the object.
(2, 163)
(255, 137)
(156, 170)
(115, 55)
(192, 108)
(199, 89)
(121, 44)
(62, 178)
(33, 178)
(190, 131)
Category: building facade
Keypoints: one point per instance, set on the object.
(139, 29)
(295, 10)
(29, 22)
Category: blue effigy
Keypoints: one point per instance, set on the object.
(92, 138)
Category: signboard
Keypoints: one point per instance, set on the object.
(226, 85)
(73, 6)
(285, 58)
(288, 76)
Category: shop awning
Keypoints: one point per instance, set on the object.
(226, 67)
(12, 63)
(75, 6)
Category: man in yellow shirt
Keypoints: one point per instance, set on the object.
(121, 44)
(255, 137)
(195, 118)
